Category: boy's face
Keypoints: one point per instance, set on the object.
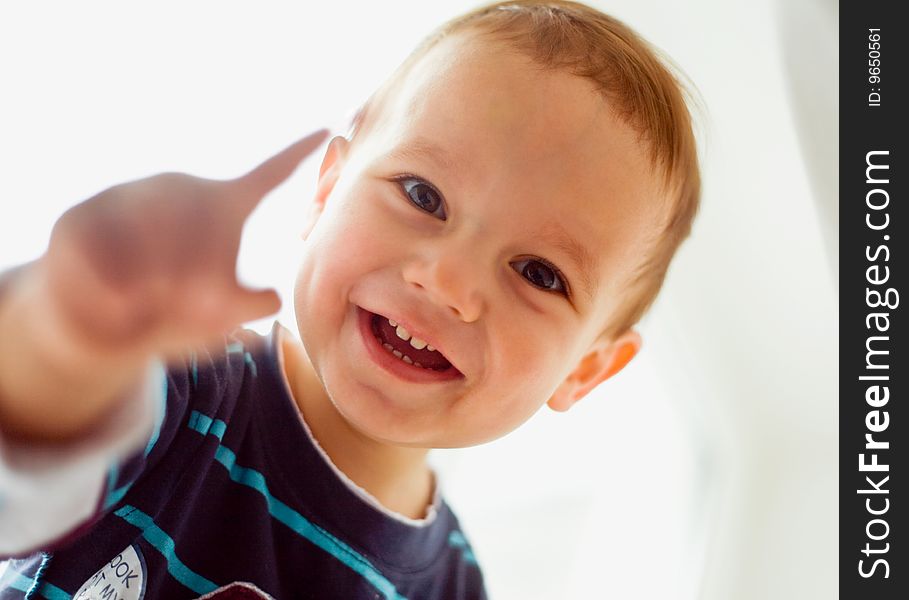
(479, 167)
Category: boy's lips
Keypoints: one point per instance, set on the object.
(368, 321)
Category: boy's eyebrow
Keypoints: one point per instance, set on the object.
(584, 260)
(421, 148)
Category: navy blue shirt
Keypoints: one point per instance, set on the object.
(231, 488)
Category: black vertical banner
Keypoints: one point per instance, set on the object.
(874, 372)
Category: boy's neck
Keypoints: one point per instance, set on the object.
(397, 477)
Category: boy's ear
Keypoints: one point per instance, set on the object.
(332, 162)
(605, 359)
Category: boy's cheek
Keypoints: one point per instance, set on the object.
(341, 255)
(340, 225)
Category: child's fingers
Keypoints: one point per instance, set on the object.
(206, 312)
(279, 167)
(250, 305)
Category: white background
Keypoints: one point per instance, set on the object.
(706, 469)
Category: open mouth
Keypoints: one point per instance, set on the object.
(411, 350)
(400, 352)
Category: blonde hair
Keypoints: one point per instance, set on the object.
(633, 76)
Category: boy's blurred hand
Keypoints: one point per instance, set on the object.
(144, 269)
(150, 265)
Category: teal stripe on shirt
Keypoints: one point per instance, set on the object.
(205, 425)
(52, 592)
(285, 514)
(237, 348)
(115, 495)
(194, 368)
(456, 539)
(164, 544)
(20, 582)
(159, 421)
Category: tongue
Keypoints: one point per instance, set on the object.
(386, 333)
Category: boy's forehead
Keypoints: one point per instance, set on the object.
(483, 95)
(491, 121)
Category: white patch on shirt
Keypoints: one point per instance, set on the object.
(123, 578)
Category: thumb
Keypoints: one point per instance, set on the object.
(279, 167)
(249, 305)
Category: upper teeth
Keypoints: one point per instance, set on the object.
(405, 335)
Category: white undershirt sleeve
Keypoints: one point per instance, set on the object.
(46, 491)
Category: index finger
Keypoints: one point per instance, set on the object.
(279, 167)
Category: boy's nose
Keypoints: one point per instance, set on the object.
(447, 278)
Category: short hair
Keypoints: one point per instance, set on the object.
(644, 87)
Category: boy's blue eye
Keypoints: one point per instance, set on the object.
(423, 195)
(541, 274)
(538, 272)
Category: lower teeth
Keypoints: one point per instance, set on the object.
(398, 353)
(403, 357)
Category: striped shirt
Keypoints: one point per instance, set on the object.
(232, 498)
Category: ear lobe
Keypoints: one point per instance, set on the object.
(329, 172)
(604, 360)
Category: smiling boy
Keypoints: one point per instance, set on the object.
(482, 243)
(440, 220)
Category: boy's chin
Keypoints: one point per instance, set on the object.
(415, 433)
(386, 428)
(377, 424)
